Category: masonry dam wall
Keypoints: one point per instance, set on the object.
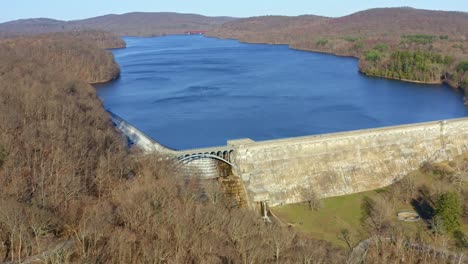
(284, 171)
(137, 137)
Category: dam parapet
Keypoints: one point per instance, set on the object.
(139, 138)
(284, 171)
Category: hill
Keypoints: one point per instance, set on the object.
(149, 24)
(269, 29)
(385, 23)
(33, 25)
(398, 21)
(78, 54)
(135, 24)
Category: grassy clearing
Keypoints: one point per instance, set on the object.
(345, 212)
(337, 213)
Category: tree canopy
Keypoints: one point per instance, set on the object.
(463, 66)
(448, 210)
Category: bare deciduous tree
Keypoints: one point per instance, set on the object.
(310, 196)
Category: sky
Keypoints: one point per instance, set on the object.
(79, 9)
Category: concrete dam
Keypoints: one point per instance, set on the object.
(283, 171)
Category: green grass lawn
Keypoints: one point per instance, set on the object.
(344, 212)
(337, 213)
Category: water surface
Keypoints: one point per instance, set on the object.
(193, 91)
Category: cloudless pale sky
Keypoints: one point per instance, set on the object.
(78, 9)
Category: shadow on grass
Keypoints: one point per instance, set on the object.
(423, 205)
(423, 208)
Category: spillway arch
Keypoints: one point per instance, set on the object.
(148, 144)
(192, 157)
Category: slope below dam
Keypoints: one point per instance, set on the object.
(288, 108)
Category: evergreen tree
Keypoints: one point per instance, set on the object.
(448, 209)
(462, 66)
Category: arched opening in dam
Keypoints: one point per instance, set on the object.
(192, 91)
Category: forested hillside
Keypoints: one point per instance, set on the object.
(79, 54)
(348, 35)
(130, 24)
(418, 65)
(400, 43)
(71, 190)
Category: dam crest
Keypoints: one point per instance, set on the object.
(285, 171)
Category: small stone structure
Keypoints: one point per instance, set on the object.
(408, 216)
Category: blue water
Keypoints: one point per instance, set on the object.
(193, 91)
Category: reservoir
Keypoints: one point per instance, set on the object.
(193, 91)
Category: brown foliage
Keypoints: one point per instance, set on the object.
(58, 141)
(79, 54)
(400, 249)
(369, 24)
(130, 24)
(68, 179)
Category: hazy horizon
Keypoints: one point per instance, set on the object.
(61, 10)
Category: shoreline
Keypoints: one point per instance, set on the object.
(342, 55)
(285, 44)
(117, 76)
(441, 82)
(407, 80)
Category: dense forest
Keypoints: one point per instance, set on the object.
(417, 65)
(77, 53)
(72, 192)
(129, 24)
(405, 65)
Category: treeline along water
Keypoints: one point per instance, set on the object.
(193, 91)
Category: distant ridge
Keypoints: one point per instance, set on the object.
(376, 21)
(371, 22)
(134, 24)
